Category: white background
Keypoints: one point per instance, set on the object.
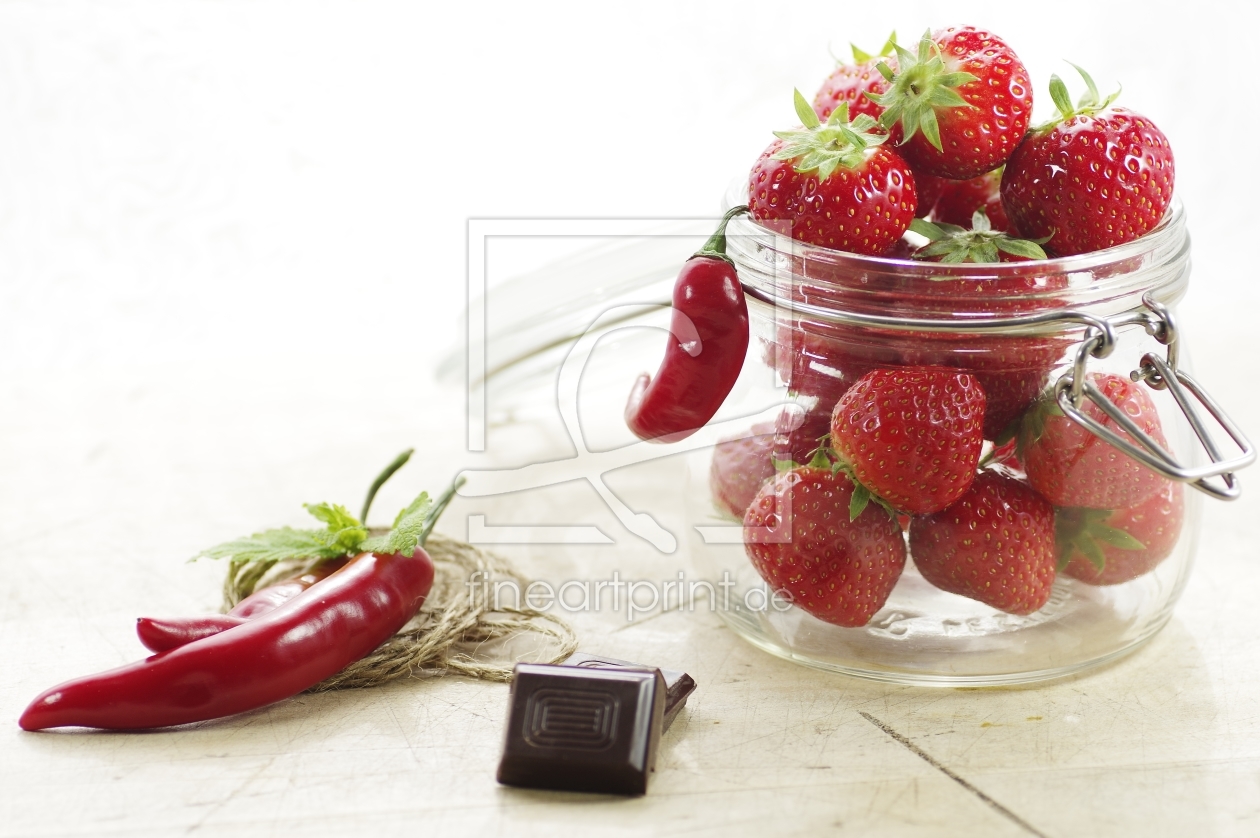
(192, 181)
(232, 242)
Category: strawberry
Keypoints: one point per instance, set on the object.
(800, 537)
(930, 189)
(1107, 547)
(911, 436)
(960, 105)
(1071, 466)
(995, 544)
(825, 360)
(959, 200)
(1095, 177)
(1012, 371)
(849, 84)
(740, 465)
(833, 184)
(799, 432)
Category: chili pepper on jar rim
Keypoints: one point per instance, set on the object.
(708, 341)
(316, 634)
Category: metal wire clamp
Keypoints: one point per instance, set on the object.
(1073, 388)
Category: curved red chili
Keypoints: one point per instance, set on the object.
(264, 660)
(708, 341)
(161, 634)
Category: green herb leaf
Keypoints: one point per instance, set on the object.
(275, 546)
(405, 535)
(344, 530)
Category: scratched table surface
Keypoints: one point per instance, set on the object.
(233, 252)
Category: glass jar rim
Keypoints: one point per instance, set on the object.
(1113, 279)
(1169, 227)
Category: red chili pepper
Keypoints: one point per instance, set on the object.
(162, 634)
(313, 636)
(709, 338)
(267, 659)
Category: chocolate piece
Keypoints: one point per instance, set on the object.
(678, 684)
(582, 728)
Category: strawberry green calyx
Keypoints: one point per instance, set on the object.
(861, 56)
(918, 89)
(862, 495)
(1033, 424)
(951, 244)
(825, 147)
(1091, 101)
(715, 247)
(1086, 531)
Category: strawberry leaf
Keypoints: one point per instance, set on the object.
(1059, 95)
(860, 500)
(1116, 538)
(826, 147)
(861, 56)
(805, 111)
(918, 89)
(1026, 248)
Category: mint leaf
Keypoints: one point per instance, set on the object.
(409, 529)
(276, 546)
(341, 537)
(344, 531)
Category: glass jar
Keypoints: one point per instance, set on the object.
(1050, 330)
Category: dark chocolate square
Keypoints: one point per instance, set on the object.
(678, 684)
(583, 729)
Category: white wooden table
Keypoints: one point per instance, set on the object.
(225, 278)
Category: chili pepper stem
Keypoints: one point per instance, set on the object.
(439, 506)
(715, 247)
(399, 462)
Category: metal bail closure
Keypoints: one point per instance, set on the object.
(1073, 388)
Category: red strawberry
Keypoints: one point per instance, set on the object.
(833, 184)
(911, 436)
(1096, 177)
(800, 538)
(960, 105)
(1012, 371)
(995, 545)
(1072, 467)
(848, 84)
(959, 200)
(740, 465)
(825, 360)
(930, 189)
(1107, 547)
(800, 432)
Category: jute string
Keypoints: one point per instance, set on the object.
(450, 633)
